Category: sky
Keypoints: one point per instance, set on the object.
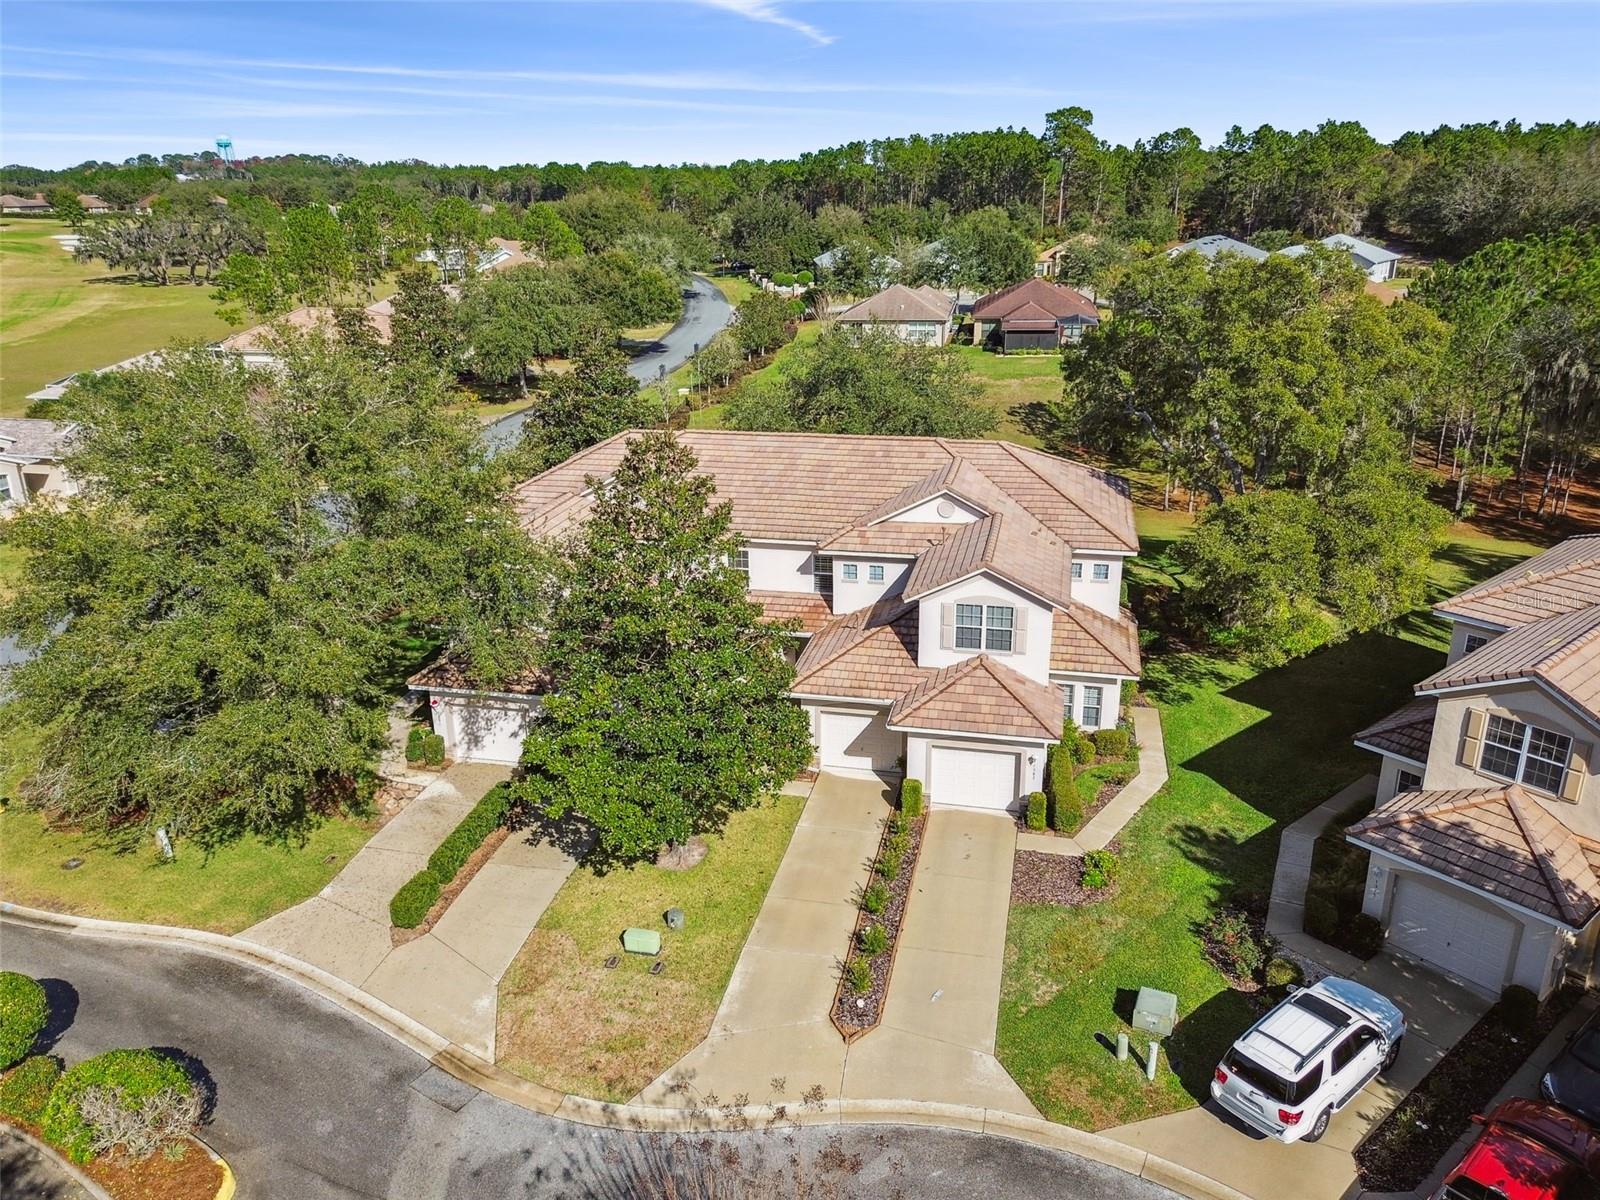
(665, 81)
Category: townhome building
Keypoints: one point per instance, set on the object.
(1485, 841)
(955, 601)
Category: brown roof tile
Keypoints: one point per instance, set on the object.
(870, 654)
(980, 695)
(1564, 578)
(1052, 299)
(1085, 639)
(900, 303)
(1563, 652)
(810, 609)
(452, 672)
(1406, 732)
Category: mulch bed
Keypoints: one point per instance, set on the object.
(852, 1017)
(1407, 1144)
(399, 937)
(1038, 878)
(194, 1176)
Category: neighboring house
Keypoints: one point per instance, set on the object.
(1486, 839)
(884, 266)
(499, 254)
(146, 204)
(258, 345)
(955, 599)
(1376, 263)
(25, 204)
(1214, 245)
(57, 388)
(30, 460)
(93, 204)
(921, 316)
(479, 723)
(1032, 315)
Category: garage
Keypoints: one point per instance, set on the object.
(1470, 941)
(858, 741)
(483, 729)
(967, 778)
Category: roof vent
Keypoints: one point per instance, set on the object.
(946, 509)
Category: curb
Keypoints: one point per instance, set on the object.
(229, 1185)
(638, 1118)
(67, 1167)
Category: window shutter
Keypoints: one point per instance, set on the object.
(1472, 739)
(947, 627)
(1019, 636)
(1577, 772)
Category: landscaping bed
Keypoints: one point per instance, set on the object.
(869, 961)
(424, 897)
(1039, 878)
(185, 1171)
(1407, 1144)
(399, 936)
(1083, 773)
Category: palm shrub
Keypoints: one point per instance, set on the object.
(135, 1082)
(26, 1089)
(23, 1013)
(1037, 806)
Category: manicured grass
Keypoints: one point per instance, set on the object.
(227, 891)
(1249, 751)
(1010, 381)
(58, 316)
(12, 559)
(567, 1022)
(735, 288)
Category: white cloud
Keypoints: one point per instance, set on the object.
(770, 14)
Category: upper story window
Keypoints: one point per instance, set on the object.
(875, 573)
(1077, 570)
(985, 627)
(822, 575)
(850, 570)
(741, 562)
(1526, 754)
(1407, 781)
(1102, 572)
(1473, 641)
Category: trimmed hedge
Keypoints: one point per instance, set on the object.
(1111, 743)
(1037, 806)
(486, 816)
(1083, 749)
(136, 1074)
(26, 1089)
(416, 896)
(23, 1013)
(911, 799)
(1066, 807)
(415, 750)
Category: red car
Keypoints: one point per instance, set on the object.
(1528, 1150)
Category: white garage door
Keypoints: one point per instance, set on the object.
(858, 742)
(1458, 937)
(972, 778)
(483, 731)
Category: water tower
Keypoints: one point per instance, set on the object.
(225, 148)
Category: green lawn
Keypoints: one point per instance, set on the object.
(230, 890)
(58, 316)
(1010, 381)
(1250, 751)
(11, 561)
(567, 1022)
(736, 288)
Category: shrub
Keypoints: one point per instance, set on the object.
(1363, 935)
(1233, 943)
(1037, 807)
(875, 899)
(1518, 1009)
(1111, 743)
(1066, 809)
(888, 864)
(138, 1130)
(416, 896)
(900, 839)
(416, 744)
(1083, 749)
(433, 749)
(135, 1081)
(23, 1013)
(26, 1089)
(858, 976)
(1282, 972)
(874, 940)
(1120, 774)
(1322, 918)
(1100, 869)
(911, 799)
(804, 277)
(486, 816)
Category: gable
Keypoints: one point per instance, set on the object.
(945, 508)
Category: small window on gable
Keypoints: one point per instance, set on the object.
(741, 562)
(1102, 572)
(1077, 570)
(1407, 781)
(849, 570)
(875, 573)
(1473, 641)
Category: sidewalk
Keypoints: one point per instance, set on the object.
(1108, 822)
(1286, 907)
(447, 978)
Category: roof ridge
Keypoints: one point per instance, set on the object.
(1015, 452)
(1490, 588)
(1470, 798)
(1516, 798)
(999, 678)
(866, 631)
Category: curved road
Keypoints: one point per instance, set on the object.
(706, 313)
(311, 1103)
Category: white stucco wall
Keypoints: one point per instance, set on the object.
(1101, 595)
(849, 596)
(1033, 661)
(778, 568)
(30, 481)
(1389, 776)
(1460, 631)
(1032, 774)
(928, 512)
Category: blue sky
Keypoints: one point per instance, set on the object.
(715, 80)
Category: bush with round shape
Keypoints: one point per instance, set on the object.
(26, 1088)
(410, 905)
(1083, 749)
(1283, 972)
(1037, 809)
(24, 1010)
(1363, 935)
(911, 799)
(873, 940)
(136, 1077)
(875, 899)
(1111, 743)
(1322, 918)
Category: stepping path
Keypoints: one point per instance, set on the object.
(447, 978)
(1108, 822)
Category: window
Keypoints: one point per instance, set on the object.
(5, 487)
(1091, 706)
(741, 562)
(1346, 1051)
(998, 623)
(1077, 570)
(850, 571)
(1068, 695)
(1407, 781)
(822, 575)
(1526, 754)
(1102, 572)
(969, 627)
(875, 573)
(1473, 641)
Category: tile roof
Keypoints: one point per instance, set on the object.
(33, 437)
(870, 654)
(1563, 578)
(452, 672)
(1010, 545)
(901, 303)
(264, 337)
(1406, 733)
(809, 487)
(810, 609)
(1053, 300)
(1085, 639)
(1562, 652)
(1500, 841)
(980, 695)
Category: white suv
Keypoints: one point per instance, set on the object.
(1308, 1058)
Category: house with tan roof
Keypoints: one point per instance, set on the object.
(258, 345)
(953, 602)
(1485, 841)
(31, 453)
(920, 316)
(1033, 315)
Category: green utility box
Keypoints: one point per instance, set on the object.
(1155, 1012)
(641, 941)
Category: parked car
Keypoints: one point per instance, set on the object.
(1528, 1150)
(1308, 1058)
(1573, 1078)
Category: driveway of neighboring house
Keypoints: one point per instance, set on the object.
(772, 1039)
(447, 978)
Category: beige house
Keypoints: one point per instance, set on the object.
(921, 316)
(258, 345)
(1486, 838)
(30, 460)
(955, 600)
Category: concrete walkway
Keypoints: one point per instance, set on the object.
(447, 978)
(1286, 907)
(772, 1040)
(1108, 822)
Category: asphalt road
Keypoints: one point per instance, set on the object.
(311, 1103)
(706, 313)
